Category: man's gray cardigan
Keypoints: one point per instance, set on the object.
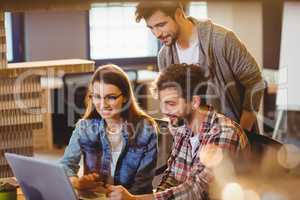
(237, 83)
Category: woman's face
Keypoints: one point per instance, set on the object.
(108, 100)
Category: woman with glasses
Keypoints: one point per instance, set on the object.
(117, 139)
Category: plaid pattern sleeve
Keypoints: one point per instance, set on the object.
(168, 182)
(194, 174)
(227, 135)
(195, 187)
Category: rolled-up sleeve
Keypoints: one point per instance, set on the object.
(195, 187)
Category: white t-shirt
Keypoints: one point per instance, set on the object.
(194, 143)
(116, 142)
(191, 54)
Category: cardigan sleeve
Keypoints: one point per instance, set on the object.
(246, 69)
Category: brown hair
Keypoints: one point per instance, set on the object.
(146, 9)
(112, 74)
(190, 80)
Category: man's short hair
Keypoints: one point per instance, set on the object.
(146, 9)
(190, 80)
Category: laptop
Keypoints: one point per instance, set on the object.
(41, 180)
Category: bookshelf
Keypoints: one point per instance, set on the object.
(25, 105)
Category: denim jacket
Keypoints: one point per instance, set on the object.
(135, 166)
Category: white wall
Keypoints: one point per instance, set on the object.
(44, 40)
(288, 96)
(245, 19)
(55, 35)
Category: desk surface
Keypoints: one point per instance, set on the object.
(20, 195)
(266, 187)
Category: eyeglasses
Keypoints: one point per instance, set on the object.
(109, 99)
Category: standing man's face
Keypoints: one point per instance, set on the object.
(163, 27)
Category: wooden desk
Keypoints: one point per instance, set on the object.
(20, 195)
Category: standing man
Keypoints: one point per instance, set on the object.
(202, 138)
(236, 85)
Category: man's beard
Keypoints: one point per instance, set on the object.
(180, 120)
(175, 36)
(174, 39)
(172, 42)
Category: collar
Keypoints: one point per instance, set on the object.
(102, 129)
(193, 40)
(203, 28)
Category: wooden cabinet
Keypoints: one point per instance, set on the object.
(25, 104)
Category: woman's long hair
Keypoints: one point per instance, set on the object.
(131, 112)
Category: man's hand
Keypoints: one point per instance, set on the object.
(247, 120)
(119, 193)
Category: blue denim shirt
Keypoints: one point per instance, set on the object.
(136, 165)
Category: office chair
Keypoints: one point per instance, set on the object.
(263, 156)
(165, 141)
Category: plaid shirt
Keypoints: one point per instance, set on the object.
(187, 177)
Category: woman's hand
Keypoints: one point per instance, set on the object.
(86, 182)
(74, 181)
